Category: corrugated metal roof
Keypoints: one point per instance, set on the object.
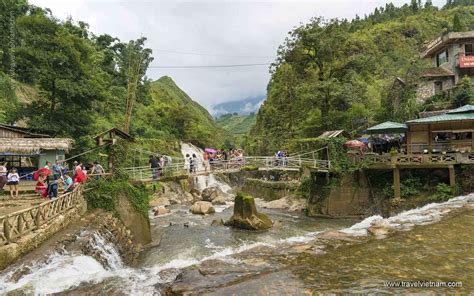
(465, 112)
(463, 109)
(331, 134)
(444, 117)
(387, 127)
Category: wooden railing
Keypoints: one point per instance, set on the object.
(15, 225)
(421, 159)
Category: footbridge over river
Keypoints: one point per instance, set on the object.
(178, 167)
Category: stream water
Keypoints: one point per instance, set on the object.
(296, 256)
(425, 247)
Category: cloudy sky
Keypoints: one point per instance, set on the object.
(219, 32)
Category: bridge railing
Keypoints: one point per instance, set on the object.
(17, 224)
(262, 162)
(418, 159)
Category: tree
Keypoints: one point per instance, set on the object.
(457, 25)
(464, 93)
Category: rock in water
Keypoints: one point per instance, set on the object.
(246, 215)
(158, 211)
(202, 208)
(209, 194)
(217, 222)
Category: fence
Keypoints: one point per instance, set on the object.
(261, 162)
(17, 224)
(421, 159)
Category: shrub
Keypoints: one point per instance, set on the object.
(443, 192)
(249, 168)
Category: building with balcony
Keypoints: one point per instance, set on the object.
(452, 58)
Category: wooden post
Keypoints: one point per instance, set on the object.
(111, 159)
(396, 183)
(452, 178)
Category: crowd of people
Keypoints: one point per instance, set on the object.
(51, 177)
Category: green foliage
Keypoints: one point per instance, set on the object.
(409, 186)
(105, 195)
(335, 74)
(8, 98)
(236, 124)
(464, 93)
(249, 168)
(443, 192)
(81, 84)
(106, 190)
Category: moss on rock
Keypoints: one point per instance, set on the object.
(246, 215)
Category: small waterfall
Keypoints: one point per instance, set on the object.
(60, 271)
(203, 182)
(107, 252)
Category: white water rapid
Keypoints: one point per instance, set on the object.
(204, 181)
(66, 271)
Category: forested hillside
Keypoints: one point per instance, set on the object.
(339, 74)
(77, 83)
(236, 124)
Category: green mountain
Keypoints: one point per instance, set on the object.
(62, 79)
(236, 124)
(340, 74)
(171, 113)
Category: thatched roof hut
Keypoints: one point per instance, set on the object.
(34, 145)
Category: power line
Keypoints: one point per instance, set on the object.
(209, 66)
(211, 54)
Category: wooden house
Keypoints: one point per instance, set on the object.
(27, 150)
(448, 132)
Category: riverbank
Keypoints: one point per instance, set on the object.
(299, 254)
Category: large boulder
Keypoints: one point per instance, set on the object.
(246, 215)
(210, 193)
(219, 200)
(202, 208)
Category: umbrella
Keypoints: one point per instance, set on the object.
(354, 144)
(44, 171)
(210, 150)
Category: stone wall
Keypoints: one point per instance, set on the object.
(11, 252)
(348, 196)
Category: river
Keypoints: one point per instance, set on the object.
(298, 256)
(434, 243)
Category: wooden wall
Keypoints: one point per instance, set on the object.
(5, 133)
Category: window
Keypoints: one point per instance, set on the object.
(442, 57)
(438, 87)
(469, 49)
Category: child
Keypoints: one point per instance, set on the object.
(13, 180)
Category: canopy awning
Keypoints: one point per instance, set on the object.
(387, 127)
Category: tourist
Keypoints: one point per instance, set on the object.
(186, 163)
(153, 161)
(13, 180)
(41, 186)
(195, 162)
(48, 166)
(52, 188)
(57, 169)
(3, 175)
(206, 161)
(68, 183)
(65, 169)
(97, 169)
(191, 164)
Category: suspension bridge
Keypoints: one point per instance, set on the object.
(179, 167)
